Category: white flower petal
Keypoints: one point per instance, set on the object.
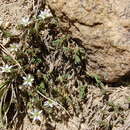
(6, 68)
(44, 14)
(36, 115)
(29, 84)
(24, 77)
(25, 21)
(14, 47)
(28, 80)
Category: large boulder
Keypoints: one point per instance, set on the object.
(103, 28)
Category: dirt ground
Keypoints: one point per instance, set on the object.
(92, 115)
(13, 10)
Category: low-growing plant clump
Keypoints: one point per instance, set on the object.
(43, 71)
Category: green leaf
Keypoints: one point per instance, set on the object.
(66, 49)
(41, 87)
(77, 59)
(82, 92)
(7, 34)
(59, 42)
(3, 87)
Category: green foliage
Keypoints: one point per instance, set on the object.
(42, 87)
(82, 91)
(129, 99)
(77, 59)
(59, 42)
(97, 79)
(49, 67)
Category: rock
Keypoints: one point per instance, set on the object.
(103, 27)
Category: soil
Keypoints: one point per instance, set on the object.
(93, 113)
(12, 11)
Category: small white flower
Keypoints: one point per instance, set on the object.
(36, 115)
(6, 68)
(14, 47)
(25, 21)
(50, 104)
(28, 80)
(45, 14)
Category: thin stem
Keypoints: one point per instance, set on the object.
(54, 102)
(9, 54)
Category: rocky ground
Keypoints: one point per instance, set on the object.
(100, 111)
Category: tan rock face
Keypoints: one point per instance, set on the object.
(103, 27)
